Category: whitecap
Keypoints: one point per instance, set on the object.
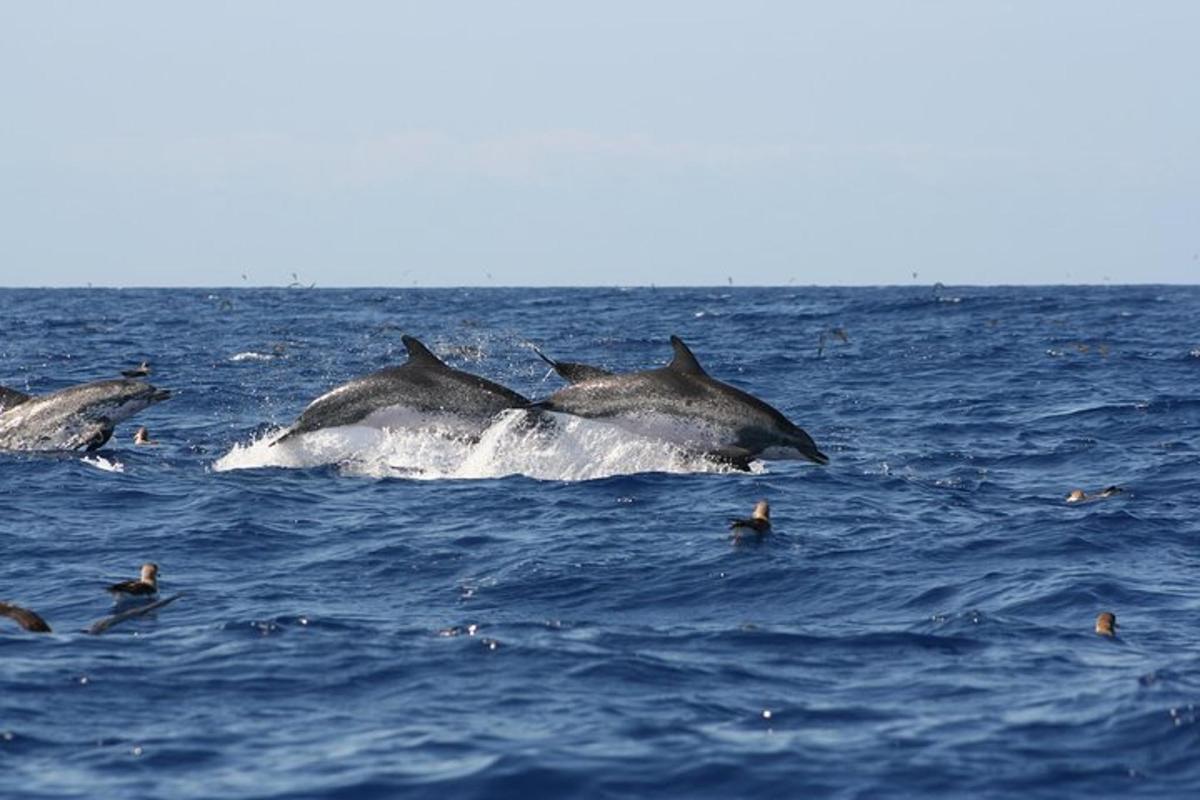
(250, 355)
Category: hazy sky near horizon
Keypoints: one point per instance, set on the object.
(546, 143)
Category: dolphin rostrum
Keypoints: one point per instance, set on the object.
(77, 417)
(421, 388)
(701, 412)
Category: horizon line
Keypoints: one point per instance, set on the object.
(444, 287)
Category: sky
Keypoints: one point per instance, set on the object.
(615, 143)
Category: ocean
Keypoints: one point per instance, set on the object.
(394, 614)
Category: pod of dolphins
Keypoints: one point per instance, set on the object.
(680, 402)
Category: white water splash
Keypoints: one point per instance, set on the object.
(102, 463)
(251, 356)
(572, 449)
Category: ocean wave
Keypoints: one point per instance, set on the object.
(919, 622)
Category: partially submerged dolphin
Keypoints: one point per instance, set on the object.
(699, 412)
(571, 371)
(78, 417)
(423, 389)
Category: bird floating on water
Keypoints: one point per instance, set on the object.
(144, 587)
(1106, 623)
(140, 371)
(27, 619)
(759, 521)
(1080, 496)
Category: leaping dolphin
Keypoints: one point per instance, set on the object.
(11, 398)
(702, 413)
(421, 388)
(78, 417)
(571, 371)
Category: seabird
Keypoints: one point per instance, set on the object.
(140, 371)
(1106, 623)
(759, 522)
(142, 436)
(144, 587)
(1080, 496)
(24, 617)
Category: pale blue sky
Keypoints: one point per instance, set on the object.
(544, 143)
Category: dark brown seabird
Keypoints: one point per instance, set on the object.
(759, 522)
(24, 617)
(140, 371)
(144, 587)
(1080, 496)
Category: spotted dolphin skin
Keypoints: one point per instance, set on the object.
(702, 413)
(76, 418)
(11, 398)
(422, 388)
(573, 372)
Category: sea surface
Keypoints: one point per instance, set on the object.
(395, 615)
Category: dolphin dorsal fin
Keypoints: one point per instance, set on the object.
(684, 361)
(10, 398)
(419, 353)
(572, 372)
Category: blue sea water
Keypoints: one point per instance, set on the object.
(383, 616)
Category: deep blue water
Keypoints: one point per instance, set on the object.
(575, 622)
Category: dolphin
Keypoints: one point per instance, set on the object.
(78, 417)
(700, 412)
(418, 390)
(11, 398)
(571, 371)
